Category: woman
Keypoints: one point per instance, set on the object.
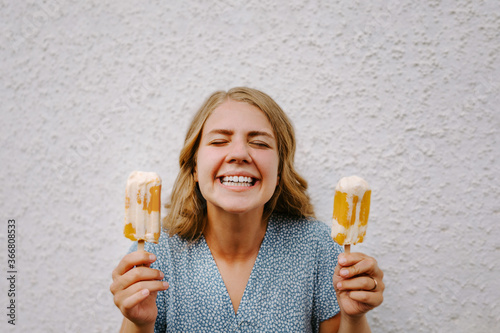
(244, 252)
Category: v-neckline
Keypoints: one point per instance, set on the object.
(221, 282)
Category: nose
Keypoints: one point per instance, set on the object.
(238, 152)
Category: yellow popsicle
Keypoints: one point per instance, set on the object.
(351, 207)
(142, 207)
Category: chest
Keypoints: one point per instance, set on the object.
(273, 293)
(235, 276)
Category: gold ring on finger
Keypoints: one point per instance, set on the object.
(376, 284)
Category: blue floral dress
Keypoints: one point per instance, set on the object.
(290, 288)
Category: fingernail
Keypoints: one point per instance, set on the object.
(339, 285)
(145, 292)
(342, 260)
(344, 272)
(152, 257)
(161, 275)
(165, 285)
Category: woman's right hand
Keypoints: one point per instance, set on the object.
(134, 288)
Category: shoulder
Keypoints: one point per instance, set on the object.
(170, 249)
(167, 242)
(302, 232)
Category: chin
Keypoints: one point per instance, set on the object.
(237, 209)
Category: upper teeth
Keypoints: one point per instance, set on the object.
(237, 179)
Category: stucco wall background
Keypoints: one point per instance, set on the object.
(403, 93)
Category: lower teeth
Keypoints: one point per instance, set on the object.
(236, 184)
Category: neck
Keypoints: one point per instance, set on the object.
(234, 237)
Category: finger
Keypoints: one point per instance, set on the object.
(366, 297)
(136, 298)
(152, 287)
(366, 283)
(135, 275)
(140, 274)
(349, 259)
(358, 265)
(128, 262)
(346, 260)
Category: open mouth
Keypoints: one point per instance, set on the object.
(237, 181)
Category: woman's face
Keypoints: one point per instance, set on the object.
(237, 160)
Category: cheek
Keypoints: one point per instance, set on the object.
(206, 165)
(272, 167)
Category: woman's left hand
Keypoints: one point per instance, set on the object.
(358, 283)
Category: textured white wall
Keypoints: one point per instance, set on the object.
(403, 93)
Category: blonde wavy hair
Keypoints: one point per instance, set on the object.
(187, 210)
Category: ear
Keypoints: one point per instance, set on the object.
(278, 180)
(195, 174)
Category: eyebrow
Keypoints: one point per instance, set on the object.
(250, 134)
(260, 133)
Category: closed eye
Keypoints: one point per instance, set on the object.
(217, 142)
(260, 144)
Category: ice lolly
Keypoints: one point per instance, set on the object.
(351, 207)
(142, 207)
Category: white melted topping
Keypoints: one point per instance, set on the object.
(353, 185)
(145, 224)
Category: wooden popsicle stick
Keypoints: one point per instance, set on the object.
(140, 247)
(347, 248)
